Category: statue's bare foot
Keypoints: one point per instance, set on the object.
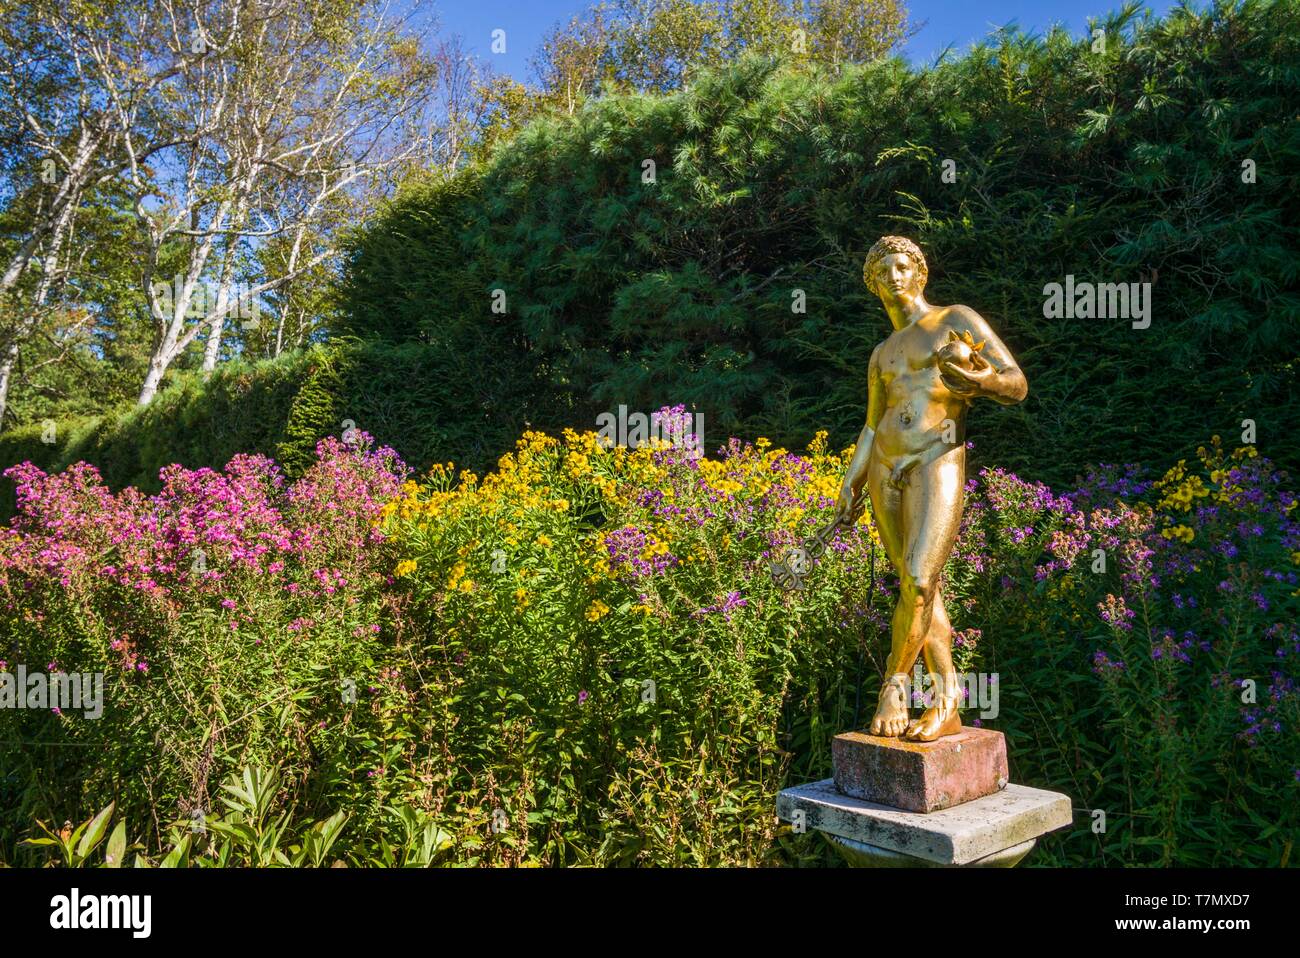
(935, 722)
(891, 713)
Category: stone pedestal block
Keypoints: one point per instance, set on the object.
(920, 776)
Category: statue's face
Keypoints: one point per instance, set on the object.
(897, 278)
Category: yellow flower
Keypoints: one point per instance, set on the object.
(597, 610)
(521, 598)
(405, 567)
(654, 547)
(579, 465)
(544, 541)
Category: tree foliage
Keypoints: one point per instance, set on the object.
(656, 46)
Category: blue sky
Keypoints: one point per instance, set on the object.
(956, 22)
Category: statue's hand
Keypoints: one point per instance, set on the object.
(967, 383)
(848, 507)
(898, 475)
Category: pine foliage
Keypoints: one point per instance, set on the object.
(1121, 162)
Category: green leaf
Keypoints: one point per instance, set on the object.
(116, 850)
(178, 857)
(95, 832)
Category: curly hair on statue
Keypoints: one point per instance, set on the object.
(893, 244)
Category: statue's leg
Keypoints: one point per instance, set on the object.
(938, 659)
(932, 503)
(886, 512)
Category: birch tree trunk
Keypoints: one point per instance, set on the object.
(27, 324)
(212, 348)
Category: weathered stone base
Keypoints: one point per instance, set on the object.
(858, 855)
(920, 776)
(964, 834)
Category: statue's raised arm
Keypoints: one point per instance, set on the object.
(975, 362)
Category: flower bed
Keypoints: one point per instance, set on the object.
(583, 657)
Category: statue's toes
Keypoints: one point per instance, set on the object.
(921, 730)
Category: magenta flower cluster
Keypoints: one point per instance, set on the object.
(132, 563)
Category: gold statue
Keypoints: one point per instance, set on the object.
(911, 456)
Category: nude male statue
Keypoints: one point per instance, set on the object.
(911, 456)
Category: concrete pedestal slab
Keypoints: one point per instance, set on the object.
(985, 831)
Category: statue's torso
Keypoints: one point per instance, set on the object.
(917, 402)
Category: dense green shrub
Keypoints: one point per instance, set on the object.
(424, 398)
(241, 408)
(1115, 166)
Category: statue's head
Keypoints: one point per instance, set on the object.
(895, 267)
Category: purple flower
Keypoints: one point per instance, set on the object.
(1116, 613)
(1104, 665)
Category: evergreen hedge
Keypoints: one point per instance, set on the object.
(281, 408)
(1119, 164)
